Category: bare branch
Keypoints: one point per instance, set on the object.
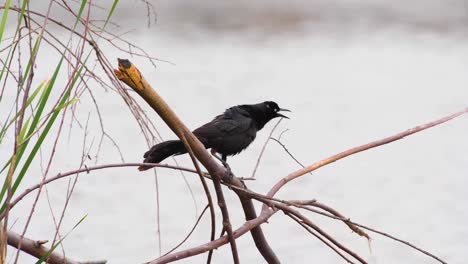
(246, 227)
(129, 74)
(309, 223)
(190, 233)
(243, 194)
(349, 222)
(36, 249)
(299, 221)
(263, 148)
(86, 169)
(361, 148)
(287, 151)
(267, 212)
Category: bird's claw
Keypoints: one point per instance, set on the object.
(224, 162)
(228, 169)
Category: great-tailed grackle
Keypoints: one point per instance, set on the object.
(228, 134)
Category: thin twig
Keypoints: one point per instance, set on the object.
(130, 75)
(309, 223)
(259, 197)
(349, 222)
(267, 212)
(190, 233)
(287, 151)
(20, 122)
(312, 232)
(158, 212)
(207, 193)
(87, 169)
(263, 149)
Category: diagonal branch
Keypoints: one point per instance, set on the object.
(306, 221)
(354, 226)
(190, 233)
(312, 232)
(85, 169)
(245, 195)
(246, 227)
(361, 148)
(129, 74)
(267, 212)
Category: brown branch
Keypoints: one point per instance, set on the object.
(129, 74)
(36, 249)
(246, 227)
(210, 201)
(246, 195)
(349, 222)
(191, 231)
(284, 206)
(86, 169)
(19, 124)
(332, 213)
(312, 232)
(267, 212)
(361, 148)
(309, 223)
(226, 222)
(249, 211)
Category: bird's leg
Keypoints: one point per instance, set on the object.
(222, 159)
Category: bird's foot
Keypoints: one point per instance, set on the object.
(224, 162)
(228, 169)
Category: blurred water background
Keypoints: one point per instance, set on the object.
(351, 71)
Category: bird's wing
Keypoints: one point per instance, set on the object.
(223, 126)
(236, 125)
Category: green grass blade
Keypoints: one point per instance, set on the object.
(41, 105)
(60, 107)
(32, 155)
(4, 129)
(22, 133)
(114, 5)
(83, 4)
(63, 102)
(29, 65)
(28, 103)
(4, 18)
(23, 8)
(39, 110)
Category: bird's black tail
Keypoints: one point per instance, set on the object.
(161, 151)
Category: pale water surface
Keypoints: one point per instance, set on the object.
(347, 83)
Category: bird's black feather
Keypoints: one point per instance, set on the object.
(227, 134)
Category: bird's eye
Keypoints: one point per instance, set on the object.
(268, 106)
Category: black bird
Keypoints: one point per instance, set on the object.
(228, 134)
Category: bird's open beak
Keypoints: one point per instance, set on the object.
(283, 116)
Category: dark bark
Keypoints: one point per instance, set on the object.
(257, 232)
